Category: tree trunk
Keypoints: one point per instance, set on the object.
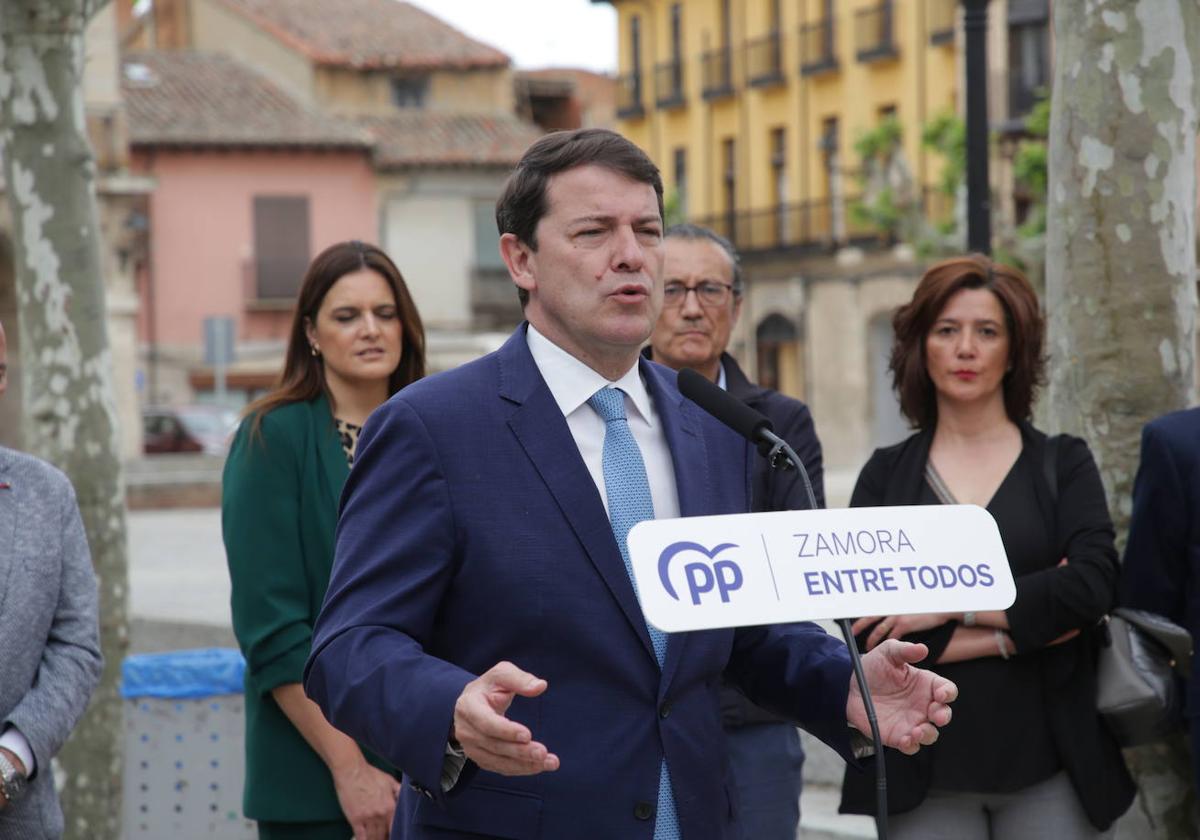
(1121, 260)
(70, 412)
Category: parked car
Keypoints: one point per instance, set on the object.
(187, 428)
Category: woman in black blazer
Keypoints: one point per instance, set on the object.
(355, 339)
(1027, 754)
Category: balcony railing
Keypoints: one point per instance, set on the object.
(820, 224)
(817, 54)
(942, 17)
(629, 96)
(816, 225)
(717, 73)
(764, 60)
(873, 33)
(668, 84)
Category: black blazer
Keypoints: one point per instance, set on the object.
(1049, 602)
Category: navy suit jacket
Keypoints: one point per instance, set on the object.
(1161, 572)
(471, 533)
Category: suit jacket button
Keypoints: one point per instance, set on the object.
(643, 810)
(664, 711)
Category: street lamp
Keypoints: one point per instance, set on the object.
(979, 218)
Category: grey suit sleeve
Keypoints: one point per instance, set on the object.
(71, 661)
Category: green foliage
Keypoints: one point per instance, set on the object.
(881, 142)
(946, 134)
(673, 209)
(878, 208)
(1031, 167)
(881, 212)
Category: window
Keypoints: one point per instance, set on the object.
(1028, 65)
(729, 173)
(677, 31)
(779, 164)
(635, 45)
(281, 245)
(681, 190)
(410, 91)
(779, 183)
(487, 237)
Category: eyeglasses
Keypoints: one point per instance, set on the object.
(710, 293)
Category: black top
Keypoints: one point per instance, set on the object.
(1018, 721)
(1001, 701)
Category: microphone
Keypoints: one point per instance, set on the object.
(731, 411)
(750, 424)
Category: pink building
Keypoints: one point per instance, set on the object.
(250, 183)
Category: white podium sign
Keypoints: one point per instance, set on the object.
(703, 572)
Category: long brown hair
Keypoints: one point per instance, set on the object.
(911, 325)
(303, 376)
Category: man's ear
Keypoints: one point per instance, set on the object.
(518, 258)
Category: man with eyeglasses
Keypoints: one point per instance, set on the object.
(702, 298)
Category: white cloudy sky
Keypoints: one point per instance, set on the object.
(538, 33)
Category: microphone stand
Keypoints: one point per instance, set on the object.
(781, 456)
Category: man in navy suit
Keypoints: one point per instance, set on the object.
(481, 630)
(1161, 570)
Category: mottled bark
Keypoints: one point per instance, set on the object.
(65, 368)
(1121, 253)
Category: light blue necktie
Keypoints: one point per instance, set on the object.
(629, 502)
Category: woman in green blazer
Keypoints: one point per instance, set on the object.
(356, 339)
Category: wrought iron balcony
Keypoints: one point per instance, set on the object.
(942, 18)
(811, 225)
(874, 35)
(668, 84)
(717, 73)
(817, 53)
(629, 96)
(764, 59)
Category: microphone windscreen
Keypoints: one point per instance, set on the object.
(722, 405)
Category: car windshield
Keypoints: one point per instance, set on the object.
(215, 423)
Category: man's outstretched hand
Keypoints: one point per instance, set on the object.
(490, 739)
(910, 703)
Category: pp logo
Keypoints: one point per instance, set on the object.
(723, 575)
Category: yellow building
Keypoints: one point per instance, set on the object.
(752, 107)
(755, 109)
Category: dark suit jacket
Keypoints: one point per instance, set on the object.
(777, 489)
(1161, 572)
(471, 533)
(278, 514)
(1048, 604)
(773, 489)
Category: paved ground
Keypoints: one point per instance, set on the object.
(178, 583)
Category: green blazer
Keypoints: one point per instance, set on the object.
(279, 503)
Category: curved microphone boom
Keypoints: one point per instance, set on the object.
(757, 429)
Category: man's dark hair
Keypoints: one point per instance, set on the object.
(522, 202)
(697, 233)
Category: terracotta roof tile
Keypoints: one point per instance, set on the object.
(185, 98)
(428, 138)
(368, 34)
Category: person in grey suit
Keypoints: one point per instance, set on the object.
(49, 634)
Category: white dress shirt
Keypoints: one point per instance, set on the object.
(571, 383)
(13, 741)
